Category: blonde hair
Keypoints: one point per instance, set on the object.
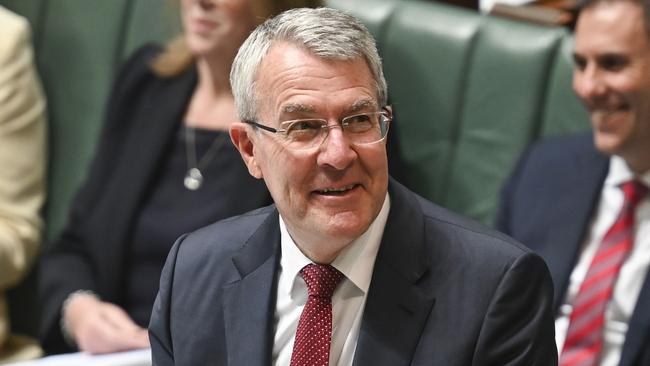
(176, 57)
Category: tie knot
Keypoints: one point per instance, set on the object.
(634, 192)
(321, 280)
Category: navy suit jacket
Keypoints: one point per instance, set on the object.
(548, 204)
(444, 291)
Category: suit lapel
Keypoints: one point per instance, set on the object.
(249, 302)
(639, 326)
(569, 218)
(396, 308)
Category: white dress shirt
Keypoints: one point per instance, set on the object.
(632, 273)
(356, 262)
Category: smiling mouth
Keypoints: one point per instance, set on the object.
(335, 191)
(603, 116)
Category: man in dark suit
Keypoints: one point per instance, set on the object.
(570, 199)
(348, 267)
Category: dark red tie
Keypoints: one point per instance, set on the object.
(585, 335)
(314, 334)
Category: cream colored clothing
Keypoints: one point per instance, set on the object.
(22, 162)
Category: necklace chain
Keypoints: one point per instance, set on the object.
(194, 177)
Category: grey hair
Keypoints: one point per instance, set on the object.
(327, 33)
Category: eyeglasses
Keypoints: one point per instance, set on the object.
(360, 129)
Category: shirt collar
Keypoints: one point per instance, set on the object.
(356, 261)
(620, 172)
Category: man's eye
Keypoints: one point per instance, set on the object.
(359, 119)
(305, 125)
(360, 123)
(613, 63)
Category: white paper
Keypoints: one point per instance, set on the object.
(130, 358)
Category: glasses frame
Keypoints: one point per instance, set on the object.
(385, 112)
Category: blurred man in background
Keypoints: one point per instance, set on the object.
(582, 203)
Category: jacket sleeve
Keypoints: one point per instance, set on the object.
(162, 348)
(518, 328)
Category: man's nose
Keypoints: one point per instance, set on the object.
(589, 84)
(206, 4)
(336, 151)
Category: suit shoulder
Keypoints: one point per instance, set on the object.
(144, 55)
(547, 163)
(465, 232)
(137, 86)
(16, 35)
(227, 235)
(12, 22)
(137, 67)
(557, 149)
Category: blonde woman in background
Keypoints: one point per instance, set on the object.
(164, 166)
(22, 171)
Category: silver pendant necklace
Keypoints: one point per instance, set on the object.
(194, 177)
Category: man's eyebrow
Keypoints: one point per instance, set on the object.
(357, 106)
(362, 105)
(297, 107)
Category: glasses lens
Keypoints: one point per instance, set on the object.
(305, 133)
(366, 128)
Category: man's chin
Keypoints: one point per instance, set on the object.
(344, 225)
(607, 143)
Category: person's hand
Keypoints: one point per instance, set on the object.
(102, 327)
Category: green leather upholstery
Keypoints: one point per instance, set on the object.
(429, 104)
(470, 92)
(496, 124)
(563, 112)
(374, 14)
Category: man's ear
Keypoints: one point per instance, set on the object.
(242, 137)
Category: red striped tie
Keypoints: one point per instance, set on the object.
(314, 333)
(585, 335)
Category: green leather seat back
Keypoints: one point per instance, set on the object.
(373, 13)
(563, 112)
(501, 110)
(150, 20)
(470, 93)
(426, 56)
(77, 57)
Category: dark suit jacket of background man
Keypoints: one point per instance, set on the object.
(444, 291)
(548, 204)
